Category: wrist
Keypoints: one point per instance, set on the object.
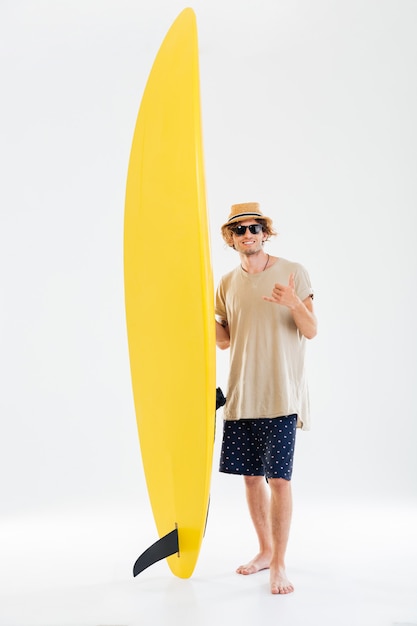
(297, 304)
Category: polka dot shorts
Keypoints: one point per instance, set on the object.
(259, 447)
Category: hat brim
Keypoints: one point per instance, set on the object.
(241, 217)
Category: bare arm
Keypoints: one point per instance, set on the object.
(222, 335)
(301, 310)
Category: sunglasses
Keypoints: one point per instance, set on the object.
(240, 230)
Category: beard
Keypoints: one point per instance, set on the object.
(251, 251)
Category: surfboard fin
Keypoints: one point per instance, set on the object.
(165, 546)
(220, 398)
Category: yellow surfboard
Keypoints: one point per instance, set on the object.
(169, 300)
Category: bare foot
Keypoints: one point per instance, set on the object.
(280, 582)
(260, 562)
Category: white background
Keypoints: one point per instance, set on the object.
(308, 108)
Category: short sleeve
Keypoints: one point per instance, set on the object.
(220, 303)
(302, 281)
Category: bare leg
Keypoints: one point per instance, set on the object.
(271, 518)
(257, 495)
(281, 512)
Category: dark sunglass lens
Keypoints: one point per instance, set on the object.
(241, 230)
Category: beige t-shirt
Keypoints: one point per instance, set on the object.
(267, 372)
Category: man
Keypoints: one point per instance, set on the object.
(264, 313)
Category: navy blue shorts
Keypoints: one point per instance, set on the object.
(259, 447)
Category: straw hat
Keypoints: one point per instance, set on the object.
(244, 211)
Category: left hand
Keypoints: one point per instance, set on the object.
(284, 294)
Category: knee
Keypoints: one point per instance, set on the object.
(253, 481)
(279, 485)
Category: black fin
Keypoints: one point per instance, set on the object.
(220, 398)
(166, 546)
